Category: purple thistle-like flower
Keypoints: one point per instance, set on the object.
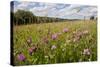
(21, 57)
(53, 47)
(65, 30)
(86, 52)
(54, 36)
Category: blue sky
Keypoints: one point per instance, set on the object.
(66, 11)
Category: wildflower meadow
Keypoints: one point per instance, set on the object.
(50, 43)
(52, 33)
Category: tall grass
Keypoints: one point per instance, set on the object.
(78, 44)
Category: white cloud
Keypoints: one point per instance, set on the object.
(68, 10)
(23, 5)
(71, 7)
(58, 10)
(94, 9)
(78, 10)
(88, 11)
(43, 10)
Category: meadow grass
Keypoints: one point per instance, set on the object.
(66, 47)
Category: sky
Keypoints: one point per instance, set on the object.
(65, 11)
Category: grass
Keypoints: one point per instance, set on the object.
(67, 50)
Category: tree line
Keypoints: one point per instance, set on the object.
(26, 17)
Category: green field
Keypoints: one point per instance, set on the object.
(61, 42)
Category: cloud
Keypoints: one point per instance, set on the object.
(68, 10)
(88, 11)
(58, 10)
(23, 5)
(71, 7)
(78, 10)
(43, 10)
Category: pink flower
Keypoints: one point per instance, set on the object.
(65, 30)
(21, 57)
(53, 47)
(32, 49)
(54, 36)
(86, 52)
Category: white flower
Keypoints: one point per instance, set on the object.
(85, 32)
(86, 52)
(46, 56)
(53, 47)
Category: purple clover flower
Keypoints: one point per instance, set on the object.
(54, 36)
(65, 30)
(21, 57)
